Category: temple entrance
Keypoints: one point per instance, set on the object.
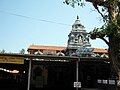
(54, 75)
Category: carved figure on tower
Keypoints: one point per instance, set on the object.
(77, 37)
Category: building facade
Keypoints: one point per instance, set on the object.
(46, 74)
(62, 74)
(77, 45)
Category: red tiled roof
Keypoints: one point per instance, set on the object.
(38, 47)
(60, 48)
(99, 50)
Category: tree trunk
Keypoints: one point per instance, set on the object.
(114, 42)
(114, 56)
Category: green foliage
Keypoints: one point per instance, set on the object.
(73, 2)
(22, 51)
(106, 30)
(82, 2)
(97, 33)
(113, 28)
(118, 20)
(2, 51)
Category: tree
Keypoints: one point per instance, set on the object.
(110, 13)
(22, 51)
(3, 51)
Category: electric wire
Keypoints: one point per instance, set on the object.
(32, 18)
(36, 19)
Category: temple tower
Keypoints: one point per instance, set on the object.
(77, 38)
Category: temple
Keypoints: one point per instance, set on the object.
(94, 65)
(78, 45)
(58, 67)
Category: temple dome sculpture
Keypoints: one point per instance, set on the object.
(78, 38)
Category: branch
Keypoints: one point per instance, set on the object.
(97, 3)
(105, 40)
(96, 7)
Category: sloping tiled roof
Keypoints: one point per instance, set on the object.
(99, 50)
(60, 48)
(38, 47)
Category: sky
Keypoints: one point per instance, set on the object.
(42, 22)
